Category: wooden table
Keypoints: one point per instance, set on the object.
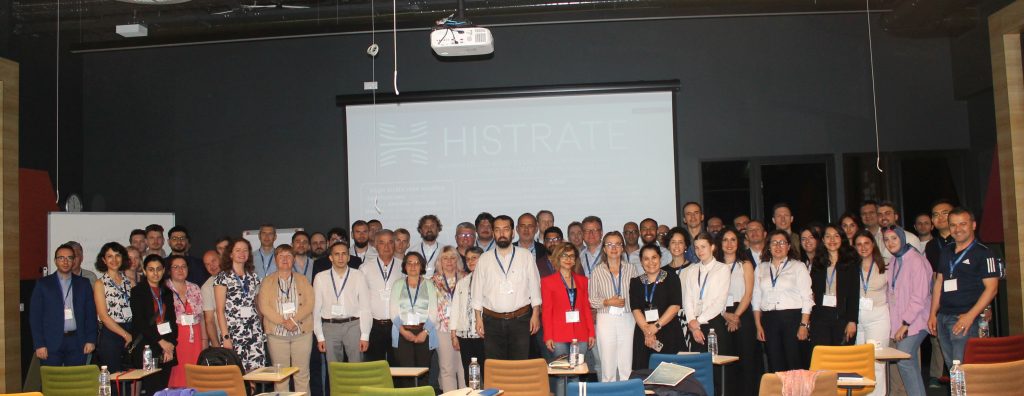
(889, 355)
(406, 372)
(270, 374)
(131, 376)
(563, 374)
(721, 361)
(853, 383)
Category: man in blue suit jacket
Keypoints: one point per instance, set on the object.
(63, 333)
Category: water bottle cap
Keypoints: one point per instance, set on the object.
(103, 367)
(574, 340)
(472, 359)
(956, 362)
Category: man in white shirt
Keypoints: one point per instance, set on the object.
(782, 217)
(380, 273)
(506, 296)
(887, 216)
(361, 241)
(341, 312)
(428, 227)
(631, 235)
(263, 257)
(211, 260)
(590, 253)
(649, 231)
(465, 237)
(303, 263)
(484, 232)
(402, 238)
(373, 226)
(545, 220)
(755, 240)
(869, 215)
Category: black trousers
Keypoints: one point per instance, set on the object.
(380, 344)
(472, 348)
(507, 339)
(412, 355)
(745, 375)
(826, 328)
(109, 347)
(780, 328)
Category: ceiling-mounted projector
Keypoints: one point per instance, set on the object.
(461, 41)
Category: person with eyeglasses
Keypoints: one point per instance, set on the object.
(566, 311)
(552, 237)
(526, 229)
(287, 302)
(155, 322)
(180, 243)
(873, 315)
(445, 280)
(631, 243)
(235, 290)
(590, 253)
(414, 315)
(705, 293)
(465, 236)
(609, 296)
(909, 305)
(656, 300)
(62, 334)
(943, 238)
(782, 302)
(111, 294)
(188, 310)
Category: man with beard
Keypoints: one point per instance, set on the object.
(303, 264)
(154, 241)
(552, 237)
(335, 235)
(650, 235)
(380, 275)
(545, 220)
(402, 238)
(63, 336)
(755, 240)
(740, 223)
(484, 234)
(361, 241)
(318, 245)
(428, 227)
(715, 226)
(887, 216)
(137, 239)
(506, 296)
(180, 242)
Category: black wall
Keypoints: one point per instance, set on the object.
(232, 135)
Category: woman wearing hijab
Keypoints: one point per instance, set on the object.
(909, 278)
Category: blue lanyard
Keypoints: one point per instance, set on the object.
(334, 285)
(649, 291)
(67, 293)
(571, 291)
(705, 283)
(245, 283)
(159, 304)
(449, 290)
(830, 278)
(380, 267)
(176, 295)
(489, 245)
(863, 281)
(304, 268)
(510, 261)
(618, 282)
(263, 259)
(953, 264)
(287, 292)
(422, 245)
(895, 275)
(590, 265)
(412, 299)
(774, 277)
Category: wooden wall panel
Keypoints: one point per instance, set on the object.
(10, 268)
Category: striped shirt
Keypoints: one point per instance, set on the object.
(602, 285)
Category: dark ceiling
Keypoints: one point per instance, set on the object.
(90, 23)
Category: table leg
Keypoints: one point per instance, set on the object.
(723, 380)
(416, 381)
(849, 391)
(888, 386)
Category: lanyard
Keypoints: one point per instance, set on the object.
(489, 245)
(864, 281)
(953, 264)
(830, 279)
(431, 258)
(125, 289)
(412, 299)
(263, 259)
(702, 284)
(245, 283)
(305, 268)
(449, 290)
(363, 257)
(334, 285)
(775, 277)
(896, 275)
(67, 293)
(591, 264)
(159, 305)
(510, 261)
(618, 282)
(287, 292)
(178, 296)
(380, 267)
(649, 291)
(571, 291)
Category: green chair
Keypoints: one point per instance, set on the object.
(374, 391)
(348, 378)
(70, 381)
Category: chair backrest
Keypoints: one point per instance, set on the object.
(517, 377)
(824, 384)
(634, 386)
(70, 381)
(212, 393)
(994, 349)
(858, 359)
(30, 393)
(347, 378)
(214, 378)
(701, 362)
(375, 391)
(994, 378)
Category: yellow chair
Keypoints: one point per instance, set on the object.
(27, 393)
(418, 391)
(985, 379)
(214, 378)
(349, 378)
(824, 384)
(858, 359)
(70, 380)
(517, 377)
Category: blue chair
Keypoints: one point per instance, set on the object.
(632, 387)
(701, 362)
(212, 393)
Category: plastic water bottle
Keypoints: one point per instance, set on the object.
(983, 326)
(474, 374)
(104, 381)
(957, 381)
(574, 352)
(147, 359)
(713, 343)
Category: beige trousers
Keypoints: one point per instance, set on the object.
(291, 352)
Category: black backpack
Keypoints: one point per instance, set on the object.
(217, 356)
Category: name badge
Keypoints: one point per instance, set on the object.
(730, 300)
(69, 314)
(385, 294)
(164, 328)
(949, 285)
(651, 315)
(412, 318)
(186, 319)
(572, 316)
(616, 311)
(828, 301)
(247, 312)
(447, 311)
(866, 304)
(288, 308)
(337, 310)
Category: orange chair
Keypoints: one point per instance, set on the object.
(517, 377)
(213, 378)
(824, 384)
(994, 349)
(996, 379)
(22, 394)
(858, 359)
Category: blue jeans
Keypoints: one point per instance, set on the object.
(910, 369)
(562, 348)
(953, 345)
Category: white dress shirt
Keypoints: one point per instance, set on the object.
(430, 253)
(369, 255)
(355, 300)
(711, 279)
(792, 288)
(504, 292)
(379, 279)
(737, 283)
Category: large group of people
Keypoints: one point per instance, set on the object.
(521, 288)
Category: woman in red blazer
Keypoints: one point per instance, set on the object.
(566, 310)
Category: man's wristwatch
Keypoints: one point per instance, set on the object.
(805, 325)
(657, 325)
